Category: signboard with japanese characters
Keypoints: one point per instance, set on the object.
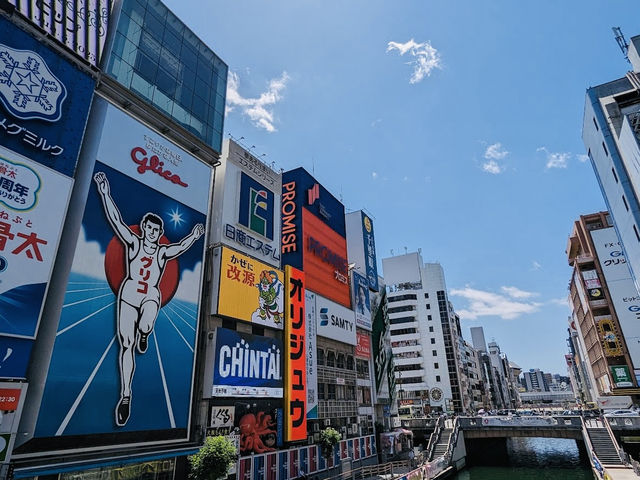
(33, 204)
(44, 101)
(247, 365)
(123, 361)
(295, 358)
(80, 26)
(312, 355)
(622, 289)
(247, 205)
(250, 290)
(221, 422)
(621, 376)
(360, 300)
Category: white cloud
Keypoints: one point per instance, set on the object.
(482, 303)
(376, 122)
(535, 265)
(260, 109)
(426, 58)
(188, 288)
(495, 152)
(582, 158)
(374, 175)
(515, 292)
(492, 167)
(563, 302)
(88, 259)
(555, 159)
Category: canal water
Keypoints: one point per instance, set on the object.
(534, 459)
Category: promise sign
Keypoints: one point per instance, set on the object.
(295, 357)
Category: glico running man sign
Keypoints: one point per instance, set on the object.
(123, 359)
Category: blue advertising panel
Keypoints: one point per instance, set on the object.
(361, 301)
(300, 189)
(123, 359)
(14, 356)
(370, 252)
(44, 101)
(247, 365)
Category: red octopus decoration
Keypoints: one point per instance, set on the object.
(252, 428)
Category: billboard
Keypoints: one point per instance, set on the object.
(33, 204)
(362, 246)
(360, 300)
(246, 205)
(621, 376)
(123, 359)
(81, 27)
(312, 355)
(295, 359)
(622, 290)
(301, 192)
(381, 354)
(325, 260)
(246, 365)
(260, 426)
(363, 347)
(249, 290)
(335, 321)
(44, 101)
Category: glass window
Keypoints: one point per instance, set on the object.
(331, 359)
(433, 341)
(340, 362)
(349, 362)
(331, 392)
(435, 365)
(320, 356)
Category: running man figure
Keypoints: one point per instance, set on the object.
(139, 297)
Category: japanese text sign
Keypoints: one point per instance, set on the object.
(295, 358)
(250, 290)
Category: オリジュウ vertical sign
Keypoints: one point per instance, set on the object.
(295, 358)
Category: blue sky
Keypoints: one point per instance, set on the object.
(456, 124)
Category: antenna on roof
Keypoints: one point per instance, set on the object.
(622, 42)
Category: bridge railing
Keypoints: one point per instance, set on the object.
(571, 422)
(434, 438)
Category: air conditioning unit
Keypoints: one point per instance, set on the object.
(316, 427)
(327, 422)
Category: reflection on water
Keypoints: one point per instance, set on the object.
(535, 458)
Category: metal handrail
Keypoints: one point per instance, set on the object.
(434, 437)
(453, 440)
(371, 470)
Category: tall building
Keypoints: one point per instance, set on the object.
(425, 334)
(610, 131)
(603, 299)
(535, 380)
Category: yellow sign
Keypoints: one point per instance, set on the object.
(250, 290)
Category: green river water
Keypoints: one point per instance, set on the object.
(534, 459)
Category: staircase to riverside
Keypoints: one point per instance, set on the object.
(443, 443)
(603, 446)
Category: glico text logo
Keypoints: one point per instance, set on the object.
(289, 230)
(332, 258)
(153, 163)
(256, 210)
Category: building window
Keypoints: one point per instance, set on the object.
(604, 147)
(349, 362)
(430, 329)
(426, 295)
(331, 392)
(331, 359)
(428, 306)
(321, 395)
(614, 174)
(437, 378)
(436, 365)
(340, 362)
(429, 317)
(596, 124)
(624, 200)
(434, 352)
(635, 230)
(433, 341)
(320, 356)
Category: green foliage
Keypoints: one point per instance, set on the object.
(329, 438)
(213, 460)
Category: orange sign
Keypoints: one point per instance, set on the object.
(295, 399)
(9, 398)
(325, 260)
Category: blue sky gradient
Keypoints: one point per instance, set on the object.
(479, 162)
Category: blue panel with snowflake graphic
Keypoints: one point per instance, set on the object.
(44, 101)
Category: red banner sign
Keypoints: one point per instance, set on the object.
(363, 348)
(295, 401)
(9, 398)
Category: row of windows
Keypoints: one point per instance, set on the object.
(396, 321)
(405, 380)
(403, 331)
(329, 391)
(399, 298)
(331, 359)
(406, 368)
(407, 308)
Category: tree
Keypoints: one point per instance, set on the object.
(213, 460)
(329, 438)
